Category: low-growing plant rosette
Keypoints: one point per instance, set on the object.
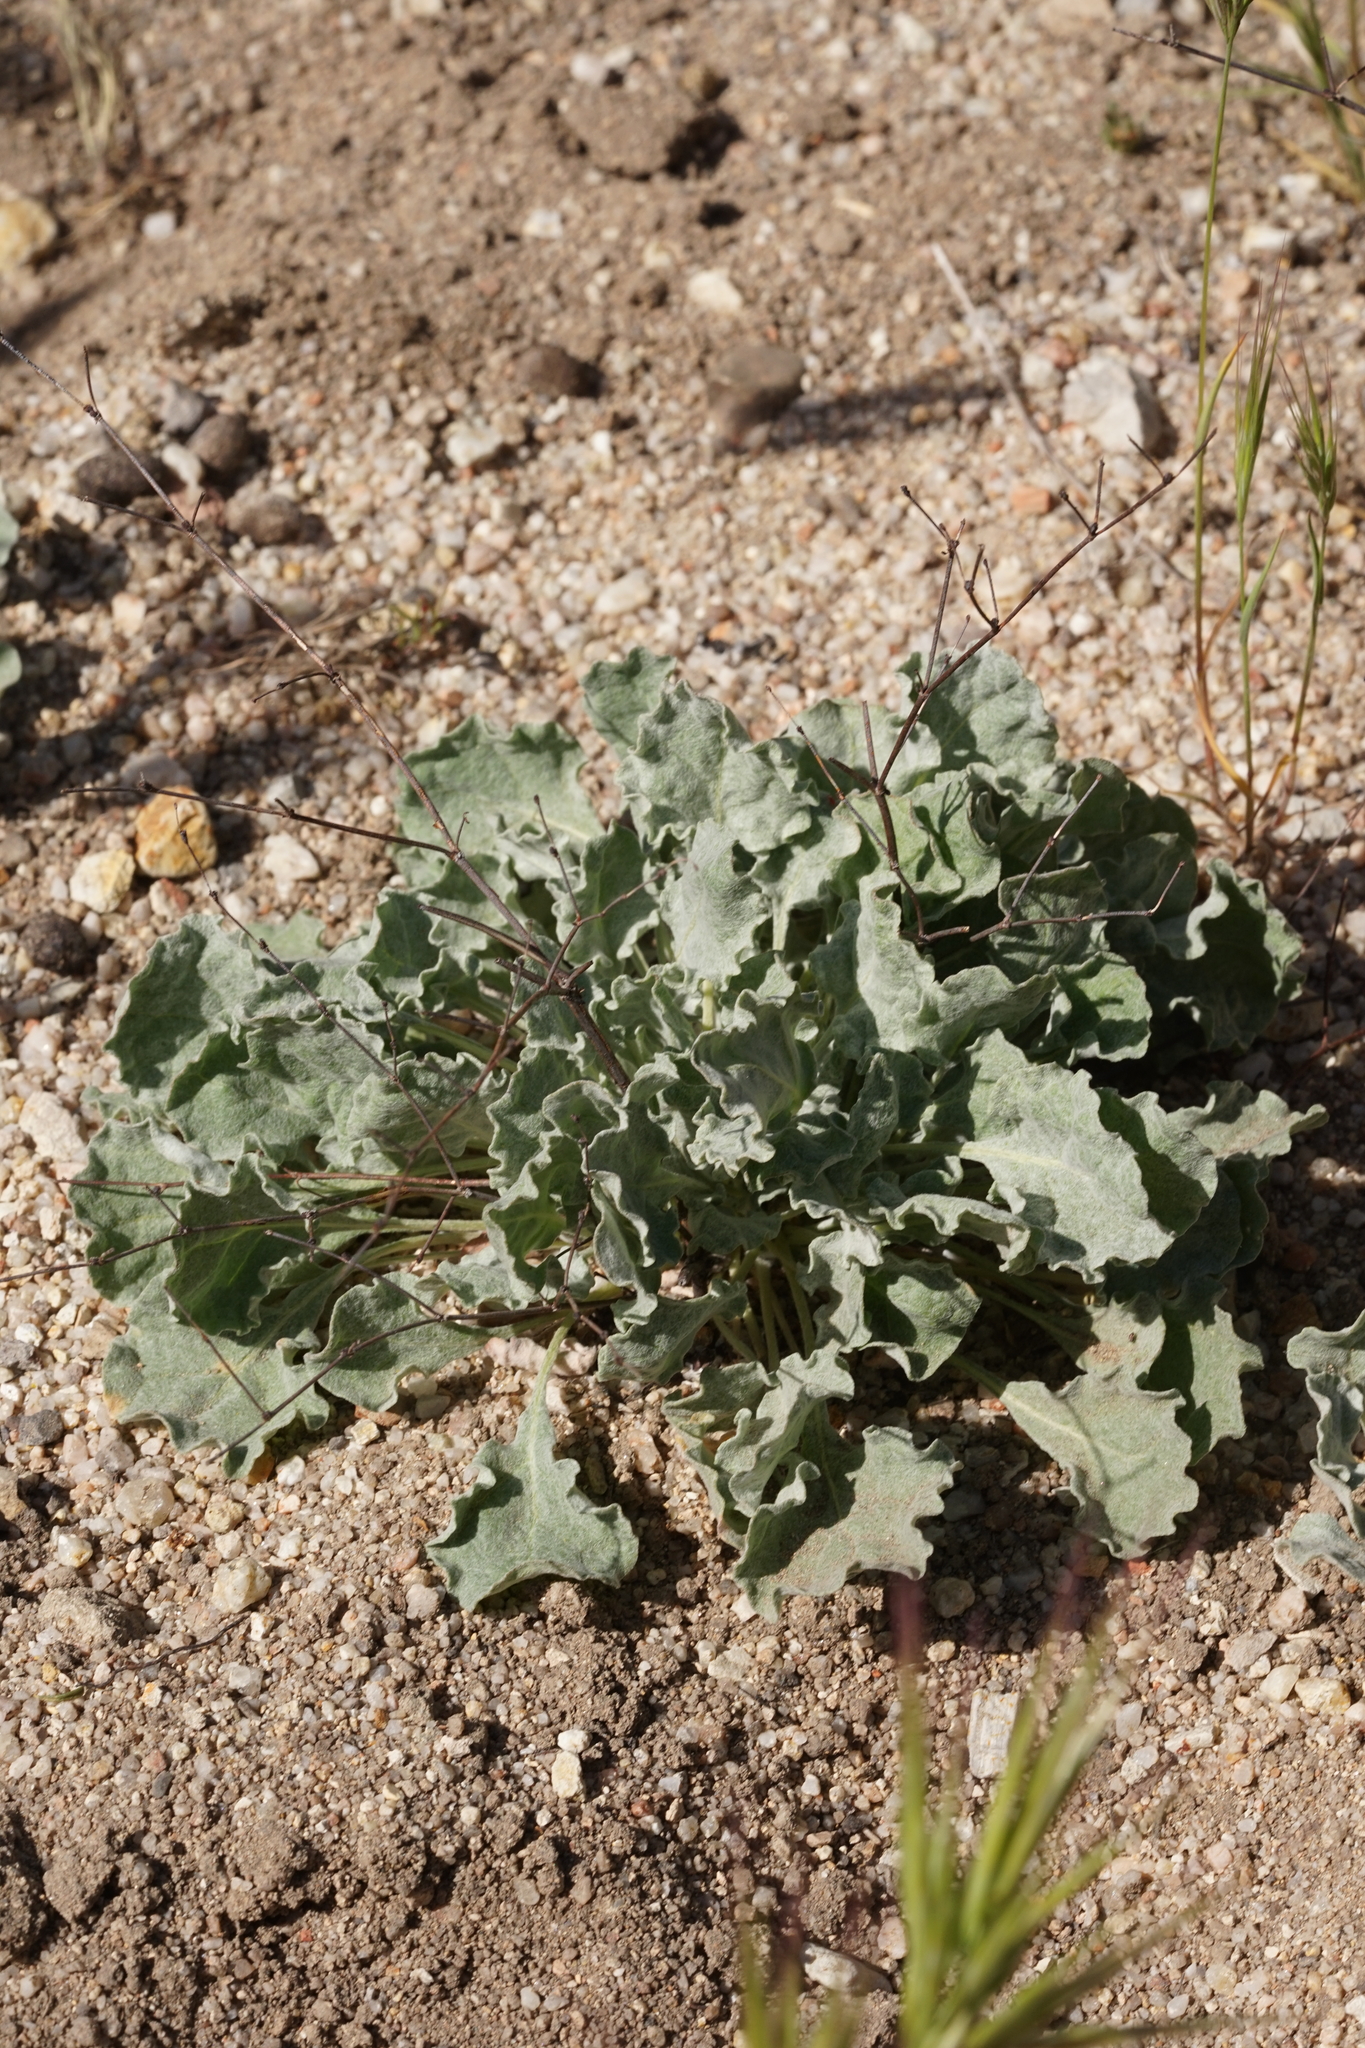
(796, 1068)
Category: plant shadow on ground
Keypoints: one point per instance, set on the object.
(875, 414)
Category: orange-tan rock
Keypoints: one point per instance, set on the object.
(174, 836)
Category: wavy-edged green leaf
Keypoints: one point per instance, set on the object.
(382, 1332)
(714, 910)
(1333, 1363)
(990, 713)
(488, 1279)
(762, 1069)
(1317, 1539)
(672, 780)
(414, 956)
(1204, 1360)
(484, 784)
(651, 1342)
(129, 1198)
(221, 1389)
(1039, 1133)
(233, 1249)
(762, 1437)
(524, 1517)
(1216, 975)
(705, 1417)
(621, 694)
(846, 1508)
(888, 996)
(823, 1155)
(615, 899)
(197, 980)
(1120, 1444)
(637, 1166)
(1235, 1124)
(915, 1309)
(1099, 1011)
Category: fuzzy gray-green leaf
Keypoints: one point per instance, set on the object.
(1120, 1444)
(1333, 1362)
(523, 1517)
(845, 1508)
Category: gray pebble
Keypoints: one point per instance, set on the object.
(157, 768)
(113, 478)
(222, 443)
(635, 134)
(13, 849)
(89, 1620)
(44, 1426)
(181, 409)
(1241, 1652)
(268, 518)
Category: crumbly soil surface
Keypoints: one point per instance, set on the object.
(331, 1820)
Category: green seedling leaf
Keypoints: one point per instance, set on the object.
(523, 1517)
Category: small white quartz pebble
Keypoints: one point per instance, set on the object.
(286, 859)
(146, 1502)
(239, 1585)
(835, 1972)
(566, 1775)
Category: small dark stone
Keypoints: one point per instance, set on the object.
(270, 519)
(18, 1357)
(551, 372)
(44, 1426)
(222, 443)
(751, 384)
(461, 632)
(55, 942)
(113, 478)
